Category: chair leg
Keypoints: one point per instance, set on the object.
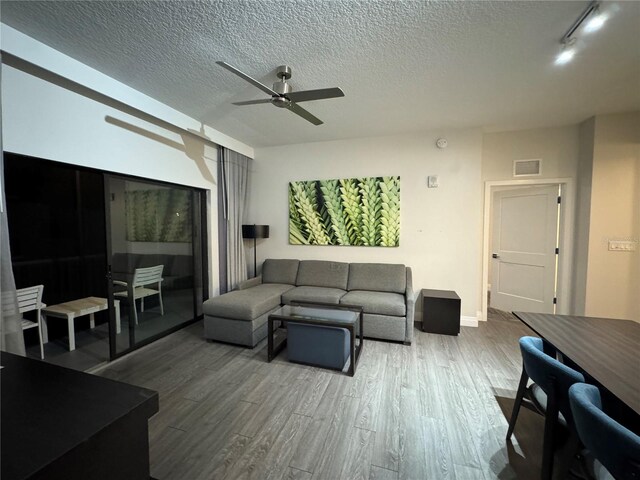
(135, 312)
(40, 338)
(160, 296)
(141, 304)
(522, 387)
(549, 442)
(567, 456)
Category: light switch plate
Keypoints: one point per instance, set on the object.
(432, 181)
(623, 245)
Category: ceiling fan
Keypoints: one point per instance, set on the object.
(283, 96)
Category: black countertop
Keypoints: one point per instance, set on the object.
(47, 411)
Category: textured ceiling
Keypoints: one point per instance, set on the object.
(405, 66)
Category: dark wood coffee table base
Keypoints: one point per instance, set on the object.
(354, 350)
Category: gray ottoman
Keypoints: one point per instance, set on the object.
(326, 347)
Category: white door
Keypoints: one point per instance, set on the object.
(524, 241)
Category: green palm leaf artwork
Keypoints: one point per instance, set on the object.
(306, 204)
(158, 215)
(352, 211)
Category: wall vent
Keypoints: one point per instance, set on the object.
(527, 168)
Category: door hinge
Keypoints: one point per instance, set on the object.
(559, 199)
(555, 300)
(557, 250)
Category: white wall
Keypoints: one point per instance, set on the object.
(602, 155)
(42, 119)
(440, 227)
(583, 215)
(27, 49)
(613, 278)
(558, 148)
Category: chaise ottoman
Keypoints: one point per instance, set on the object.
(240, 317)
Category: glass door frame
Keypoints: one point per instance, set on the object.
(200, 272)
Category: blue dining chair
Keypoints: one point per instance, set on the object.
(613, 445)
(548, 395)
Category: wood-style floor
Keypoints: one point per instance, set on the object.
(435, 410)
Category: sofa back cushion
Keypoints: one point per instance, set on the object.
(276, 270)
(377, 277)
(320, 273)
(124, 262)
(151, 260)
(182, 265)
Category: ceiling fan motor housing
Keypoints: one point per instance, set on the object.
(282, 87)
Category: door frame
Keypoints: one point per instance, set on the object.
(566, 237)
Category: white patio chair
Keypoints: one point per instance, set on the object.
(30, 299)
(142, 277)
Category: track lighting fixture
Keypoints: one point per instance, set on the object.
(594, 19)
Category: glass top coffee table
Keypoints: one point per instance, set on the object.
(321, 315)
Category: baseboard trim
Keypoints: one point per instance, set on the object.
(466, 321)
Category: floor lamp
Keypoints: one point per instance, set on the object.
(255, 232)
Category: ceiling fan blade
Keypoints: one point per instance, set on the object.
(246, 77)
(298, 110)
(308, 95)
(253, 102)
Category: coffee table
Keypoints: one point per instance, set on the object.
(321, 315)
(74, 309)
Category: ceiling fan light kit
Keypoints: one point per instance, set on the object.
(282, 95)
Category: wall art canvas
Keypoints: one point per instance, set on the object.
(159, 215)
(351, 211)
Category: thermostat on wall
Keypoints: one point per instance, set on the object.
(442, 143)
(432, 181)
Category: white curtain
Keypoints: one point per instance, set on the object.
(11, 339)
(233, 178)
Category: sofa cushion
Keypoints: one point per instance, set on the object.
(377, 277)
(124, 262)
(280, 271)
(246, 304)
(319, 273)
(151, 260)
(381, 303)
(313, 294)
(182, 265)
(385, 327)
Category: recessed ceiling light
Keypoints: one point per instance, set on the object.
(565, 56)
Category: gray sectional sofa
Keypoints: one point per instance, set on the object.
(385, 292)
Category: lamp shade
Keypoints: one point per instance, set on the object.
(255, 231)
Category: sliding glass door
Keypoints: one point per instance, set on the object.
(154, 247)
(120, 259)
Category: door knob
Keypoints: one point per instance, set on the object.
(495, 255)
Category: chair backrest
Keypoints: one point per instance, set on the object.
(148, 275)
(548, 373)
(29, 298)
(615, 446)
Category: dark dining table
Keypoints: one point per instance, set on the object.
(606, 349)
